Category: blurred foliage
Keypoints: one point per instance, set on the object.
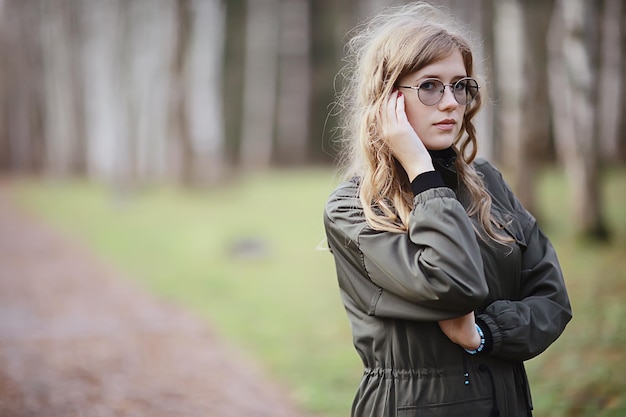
(250, 257)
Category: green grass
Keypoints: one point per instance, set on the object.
(584, 372)
(283, 306)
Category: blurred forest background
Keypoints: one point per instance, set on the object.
(195, 91)
(203, 95)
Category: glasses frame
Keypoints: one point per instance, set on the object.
(443, 90)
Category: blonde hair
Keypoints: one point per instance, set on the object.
(396, 42)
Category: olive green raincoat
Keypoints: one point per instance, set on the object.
(396, 286)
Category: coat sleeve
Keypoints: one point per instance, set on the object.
(523, 329)
(433, 272)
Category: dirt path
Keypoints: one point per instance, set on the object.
(76, 339)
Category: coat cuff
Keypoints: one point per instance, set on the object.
(488, 335)
(493, 337)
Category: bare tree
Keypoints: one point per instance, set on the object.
(260, 81)
(195, 103)
(64, 131)
(535, 118)
(331, 20)
(233, 65)
(204, 90)
(294, 89)
(105, 116)
(179, 126)
(148, 81)
(573, 75)
(22, 72)
(609, 80)
(509, 44)
(488, 129)
(621, 132)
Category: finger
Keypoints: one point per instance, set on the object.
(400, 110)
(388, 114)
(391, 107)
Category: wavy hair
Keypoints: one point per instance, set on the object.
(396, 42)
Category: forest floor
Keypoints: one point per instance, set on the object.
(78, 339)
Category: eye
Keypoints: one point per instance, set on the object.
(461, 85)
(430, 85)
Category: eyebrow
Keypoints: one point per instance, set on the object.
(423, 77)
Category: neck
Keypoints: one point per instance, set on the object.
(442, 153)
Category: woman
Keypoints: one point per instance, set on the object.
(448, 283)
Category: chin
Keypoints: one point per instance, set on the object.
(437, 145)
(436, 140)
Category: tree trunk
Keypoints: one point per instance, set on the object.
(294, 89)
(206, 126)
(179, 126)
(330, 21)
(509, 44)
(573, 72)
(621, 132)
(610, 80)
(260, 83)
(233, 70)
(535, 118)
(195, 99)
(104, 119)
(148, 81)
(488, 129)
(24, 140)
(5, 161)
(63, 116)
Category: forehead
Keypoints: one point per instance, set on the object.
(447, 68)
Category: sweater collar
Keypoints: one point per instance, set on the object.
(444, 162)
(447, 154)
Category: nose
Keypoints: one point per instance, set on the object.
(447, 101)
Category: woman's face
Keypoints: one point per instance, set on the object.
(438, 125)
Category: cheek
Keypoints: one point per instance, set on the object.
(418, 119)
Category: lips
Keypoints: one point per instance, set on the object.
(445, 125)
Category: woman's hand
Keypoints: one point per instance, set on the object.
(462, 331)
(401, 138)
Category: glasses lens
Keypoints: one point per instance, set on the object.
(430, 91)
(465, 91)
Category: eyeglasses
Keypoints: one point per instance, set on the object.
(431, 90)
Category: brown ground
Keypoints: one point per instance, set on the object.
(76, 339)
